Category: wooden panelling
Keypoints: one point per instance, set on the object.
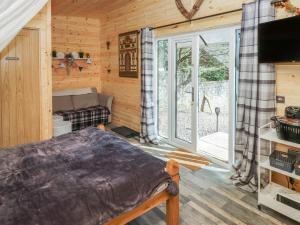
(72, 34)
(135, 15)
(85, 8)
(288, 85)
(25, 86)
(42, 22)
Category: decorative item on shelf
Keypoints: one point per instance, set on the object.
(62, 65)
(287, 5)
(60, 55)
(108, 45)
(75, 55)
(292, 112)
(54, 54)
(70, 61)
(128, 54)
(81, 54)
(89, 60)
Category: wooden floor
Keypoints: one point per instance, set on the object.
(208, 197)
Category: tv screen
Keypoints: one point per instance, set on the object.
(279, 40)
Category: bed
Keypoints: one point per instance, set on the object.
(87, 177)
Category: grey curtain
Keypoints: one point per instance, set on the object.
(256, 96)
(148, 131)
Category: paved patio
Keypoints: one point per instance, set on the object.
(215, 145)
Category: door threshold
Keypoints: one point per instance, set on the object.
(217, 161)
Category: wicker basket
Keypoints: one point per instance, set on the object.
(282, 161)
(287, 129)
(297, 167)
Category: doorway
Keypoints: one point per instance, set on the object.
(20, 90)
(196, 91)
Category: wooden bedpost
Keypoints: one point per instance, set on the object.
(172, 217)
(101, 127)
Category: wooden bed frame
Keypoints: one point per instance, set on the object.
(172, 207)
(172, 202)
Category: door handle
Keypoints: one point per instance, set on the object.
(193, 95)
(12, 58)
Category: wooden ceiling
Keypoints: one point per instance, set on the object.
(85, 8)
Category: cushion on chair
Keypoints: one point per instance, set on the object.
(85, 101)
(105, 100)
(62, 103)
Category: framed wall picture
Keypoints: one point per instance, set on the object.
(128, 54)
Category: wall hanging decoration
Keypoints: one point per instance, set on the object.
(68, 61)
(188, 14)
(108, 69)
(108, 45)
(128, 54)
(287, 5)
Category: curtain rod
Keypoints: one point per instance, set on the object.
(199, 18)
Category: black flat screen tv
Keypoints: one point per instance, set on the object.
(279, 41)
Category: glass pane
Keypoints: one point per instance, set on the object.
(213, 92)
(183, 93)
(162, 79)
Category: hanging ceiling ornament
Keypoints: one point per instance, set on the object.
(189, 14)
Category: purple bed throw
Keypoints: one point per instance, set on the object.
(84, 178)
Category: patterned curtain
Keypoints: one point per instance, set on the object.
(256, 96)
(148, 130)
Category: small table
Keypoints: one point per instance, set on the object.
(60, 126)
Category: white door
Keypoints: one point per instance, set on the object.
(183, 88)
(196, 79)
(216, 93)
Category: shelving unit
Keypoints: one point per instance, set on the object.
(267, 195)
(69, 62)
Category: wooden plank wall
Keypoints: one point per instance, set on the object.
(138, 14)
(42, 23)
(74, 34)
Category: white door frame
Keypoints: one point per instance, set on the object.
(171, 83)
(194, 82)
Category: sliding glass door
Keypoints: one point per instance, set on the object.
(177, 62)
(183, 90)
(196, 91)
(216, 92)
